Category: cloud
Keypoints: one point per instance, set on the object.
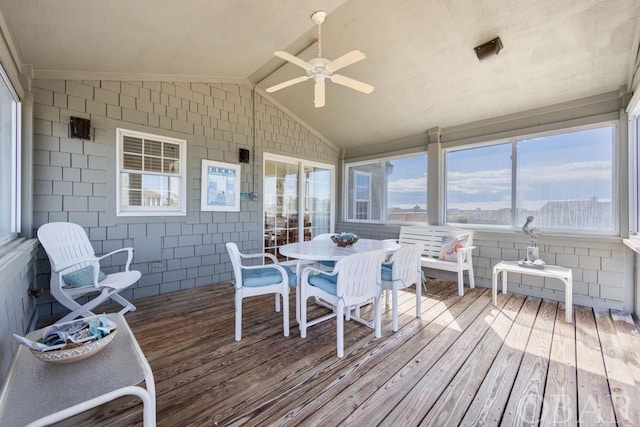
(586, 174)
(408, 184)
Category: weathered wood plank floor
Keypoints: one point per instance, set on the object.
(465, 362)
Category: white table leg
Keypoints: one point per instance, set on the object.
(494, 285)
(504, 281)
(568, 297)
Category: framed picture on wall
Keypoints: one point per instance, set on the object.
(220, 186)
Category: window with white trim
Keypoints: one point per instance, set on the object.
(9, 160)
(151, 174)
(362, 195)
(565, 180)
(387, 190)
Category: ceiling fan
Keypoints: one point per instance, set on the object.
(319, 69)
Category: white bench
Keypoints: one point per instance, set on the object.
(431, 236)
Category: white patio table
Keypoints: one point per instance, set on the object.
(326, 250)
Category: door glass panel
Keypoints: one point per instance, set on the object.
(317, 201)
(280, 205)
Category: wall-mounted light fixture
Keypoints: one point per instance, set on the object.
(80, 128)
(243, 155)
(489, 48)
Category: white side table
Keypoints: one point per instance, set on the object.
(553, 271)
(38, 393)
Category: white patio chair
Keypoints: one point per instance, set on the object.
(260, 280)
(75, 270)
(354, 280)
(402, 271)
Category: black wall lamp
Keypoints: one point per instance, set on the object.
(80, 128)
(489, 48)
(243, 155)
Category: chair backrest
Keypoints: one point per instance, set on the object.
(407, 265)
(359, 276)
(234, 254)
(323, 236)
(65, 243)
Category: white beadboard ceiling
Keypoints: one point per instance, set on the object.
(420, 54)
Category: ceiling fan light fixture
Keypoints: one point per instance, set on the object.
(319, 69)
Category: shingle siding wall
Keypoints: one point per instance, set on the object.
(602, 267)
(74, 180)
(18, 271)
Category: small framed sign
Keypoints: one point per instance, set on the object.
(220, 186)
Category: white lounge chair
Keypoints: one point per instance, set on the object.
(75, 270)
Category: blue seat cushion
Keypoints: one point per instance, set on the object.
(386, 273)
(325, 282)
(82, 277)
(330, 264)
(256, 277)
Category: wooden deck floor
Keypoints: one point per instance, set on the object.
(465, 362)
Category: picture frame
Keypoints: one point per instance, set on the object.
(220, 186)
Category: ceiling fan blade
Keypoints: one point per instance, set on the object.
(293, 59)
(346, 59)
(352, 84)
(318, 95)
(287, 84)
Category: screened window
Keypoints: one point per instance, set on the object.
(9, 160)
(151, 174)
(387, 190)
(564, 180)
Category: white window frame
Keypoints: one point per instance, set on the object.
(614, 124)
(355, 198)
(150, 210)
(15, 160)
(633, 112)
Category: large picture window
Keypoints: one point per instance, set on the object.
(387, 190)
(564, 180)
(151, 174)
(9, 160)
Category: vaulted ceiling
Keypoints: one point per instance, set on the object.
(420, 56)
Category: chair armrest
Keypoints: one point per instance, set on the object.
(272, 257)
(60, 268)
(463, 253)
(309, 270)
(129, 257)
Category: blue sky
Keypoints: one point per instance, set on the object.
(407, 184)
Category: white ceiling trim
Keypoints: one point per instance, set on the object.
(298, 119)
(136, 77)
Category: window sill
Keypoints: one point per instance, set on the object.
(633, 243)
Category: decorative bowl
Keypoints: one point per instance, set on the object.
(344, 239)
(83, 346)
(75, 353)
